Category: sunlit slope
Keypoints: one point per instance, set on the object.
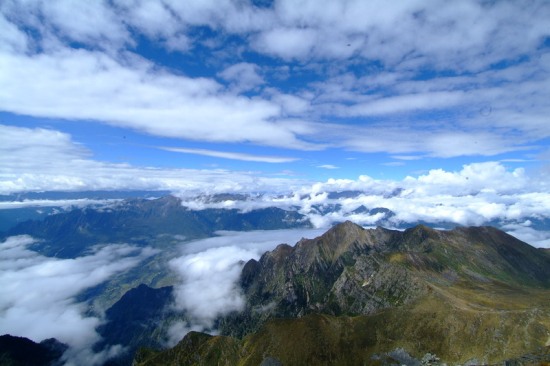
(350, 294)
(431, 326)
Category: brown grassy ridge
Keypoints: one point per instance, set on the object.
(455, 332)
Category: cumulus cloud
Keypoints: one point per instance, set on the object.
(417, 58)
(131, 94)
(243, 76)
(528, 234)
(209, 289)
(209, 270)
(468, 196)
(287, 43)
(38, 294)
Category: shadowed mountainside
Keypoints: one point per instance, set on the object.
(20, 351)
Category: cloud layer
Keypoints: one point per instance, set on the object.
(38, 294)
(431, 78)
(479, 194)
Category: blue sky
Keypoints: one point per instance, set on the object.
(283, 91)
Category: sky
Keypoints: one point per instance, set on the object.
(268, 95)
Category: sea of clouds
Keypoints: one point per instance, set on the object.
(38, 294)
(488, 193)
(479, 194)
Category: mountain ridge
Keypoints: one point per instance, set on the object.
(462, 294)
(141, 221)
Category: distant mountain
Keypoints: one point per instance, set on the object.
(344, 194)
(20, 351)
(139, 221)
(14, 216)
(354, 296)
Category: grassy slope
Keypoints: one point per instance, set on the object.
(457, 323)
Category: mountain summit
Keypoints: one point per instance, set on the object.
(354, 296)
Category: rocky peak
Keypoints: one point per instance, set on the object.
(330, 246)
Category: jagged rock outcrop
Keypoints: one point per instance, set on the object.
(344, 271)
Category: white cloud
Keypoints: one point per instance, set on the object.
(524, 232)
(209, 288)
(291, 104)
(327, 166)
(429, 141)
(469, 196)
(82, 202)
(287, 43)
(405, 103)
(231, 155)
(93, 23)
(472, 179)
(37, 293)
(243, 76)
(154, 18)
(133, 94)
(233, 16)
(180, 43)
(46, 76)
(13, 40)
(90, 22)
(48, 160)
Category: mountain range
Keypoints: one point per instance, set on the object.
(468, 295)
(356, 296)
(142, 221)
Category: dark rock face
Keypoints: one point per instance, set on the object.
(19, 351)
